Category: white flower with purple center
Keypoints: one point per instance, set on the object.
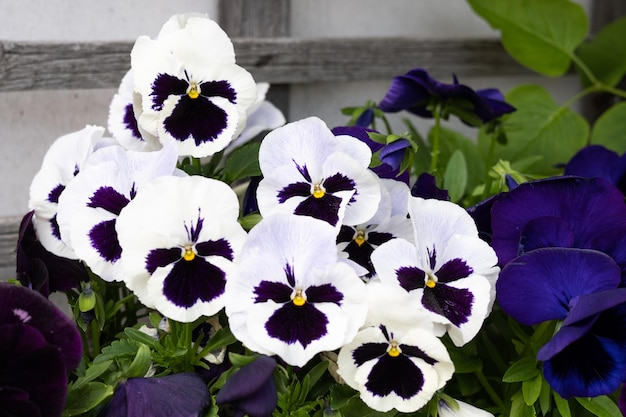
(290, 297)
(358, 242)
(308, 171)
(392, 369)
(62, 162)
(179, 239)
(122, 121)
(449, 270)
(199, 99)
(92, 201)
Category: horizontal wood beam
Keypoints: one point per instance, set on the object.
(9, 227)
(47, 66)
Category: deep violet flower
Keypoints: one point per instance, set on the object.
(579, 287)
(251, 390)
(41, 270)
(417, 92)
(392, 156)
(39, 345)
(426, 187)
(560, 212)
(598, 161)
(176, 395)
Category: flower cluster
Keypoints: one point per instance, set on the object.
(221, 261)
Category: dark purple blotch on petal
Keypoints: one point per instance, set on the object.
(410, 277)
(426, 187)
(192, 281)
(455, 304)
(325, 293)
(297, 324)
(158, 258)
(55, 193)
(176, 395)
(109, 199)
(251, 390)
(296, 189)
(303, 170)
(130, 121)
(325, 208)
(103, 237)
(193, 232)
(220, 247)
(397, 375)
(338, 182)
(54, 226)
(275, 291)
(368, 351)
(453, 270)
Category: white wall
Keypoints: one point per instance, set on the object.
(31, 120)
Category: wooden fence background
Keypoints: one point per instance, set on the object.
(260, 33)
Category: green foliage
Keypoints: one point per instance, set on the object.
(609, 129)
(600, 55)
(540, 34)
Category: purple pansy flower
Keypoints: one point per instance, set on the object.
(290, 296)
(393, 153)
(176, 395)
(39, 345)
(179, 238)
(587, 355)
(41, 270)
(598, 161)
(426, 187)
(449, 270)
(560, 212)
(308, 171)
(417, 92)
(252, 389)
(199, 99)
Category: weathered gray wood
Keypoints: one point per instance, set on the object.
(259, 19)
(32, 66)
(9, 227)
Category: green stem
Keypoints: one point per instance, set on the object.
(585, 69)
(387, 125)
(434, 160)
(95, 337)
(488, 163)
(614, 91)
(489, 389)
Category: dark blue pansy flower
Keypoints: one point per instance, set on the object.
(41, 270)
(579, 287)
(417, 92)
(39, 345)
(391, 155)
(176, 395)
(310, 172)
(426, 187)
(400, 370)
(598, 161)
(559, 212)
(179, 237)
(251, 390)
(290, 296)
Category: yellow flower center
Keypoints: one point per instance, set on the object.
(431, 280)
(193, 91)
(189, 255)
(394, 350)
(318, 191)
(298, 299)
(359, 239)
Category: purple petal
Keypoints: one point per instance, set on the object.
(219, 247)
(325, 208)
(325, 293)
(297, 189)
(411, 278)
(593, 161)
(33, 375)
(455, 304)
(395, 374)
(191, 281)
(622, 400)
(303, 324)
(275, 291)
(177, 395)
(454, 269)
(393, 153)
(426, 187)
(20, 305)
(410, 91)
(546, 232)
(109, 199)
(158, 258)
(540, 284)
(564, 198)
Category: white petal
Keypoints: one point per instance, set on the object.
(464, 410)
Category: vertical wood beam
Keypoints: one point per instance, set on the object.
(259, 19)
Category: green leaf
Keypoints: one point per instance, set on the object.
(243, 162)
(609, 130)
(141, 337)
(604, 55)
(93, 372)
(540, 34)
(601, 406)
(544, 398)
(522, 370)
(88, 396)
(239, 361)
(531, 389)
(562, 405)
(455, 176)
(519, 408)
(250, 220)
(140, 364)
(539, 127)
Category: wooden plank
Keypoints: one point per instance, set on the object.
(45, 66)
(9, 227)
(259, 19)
